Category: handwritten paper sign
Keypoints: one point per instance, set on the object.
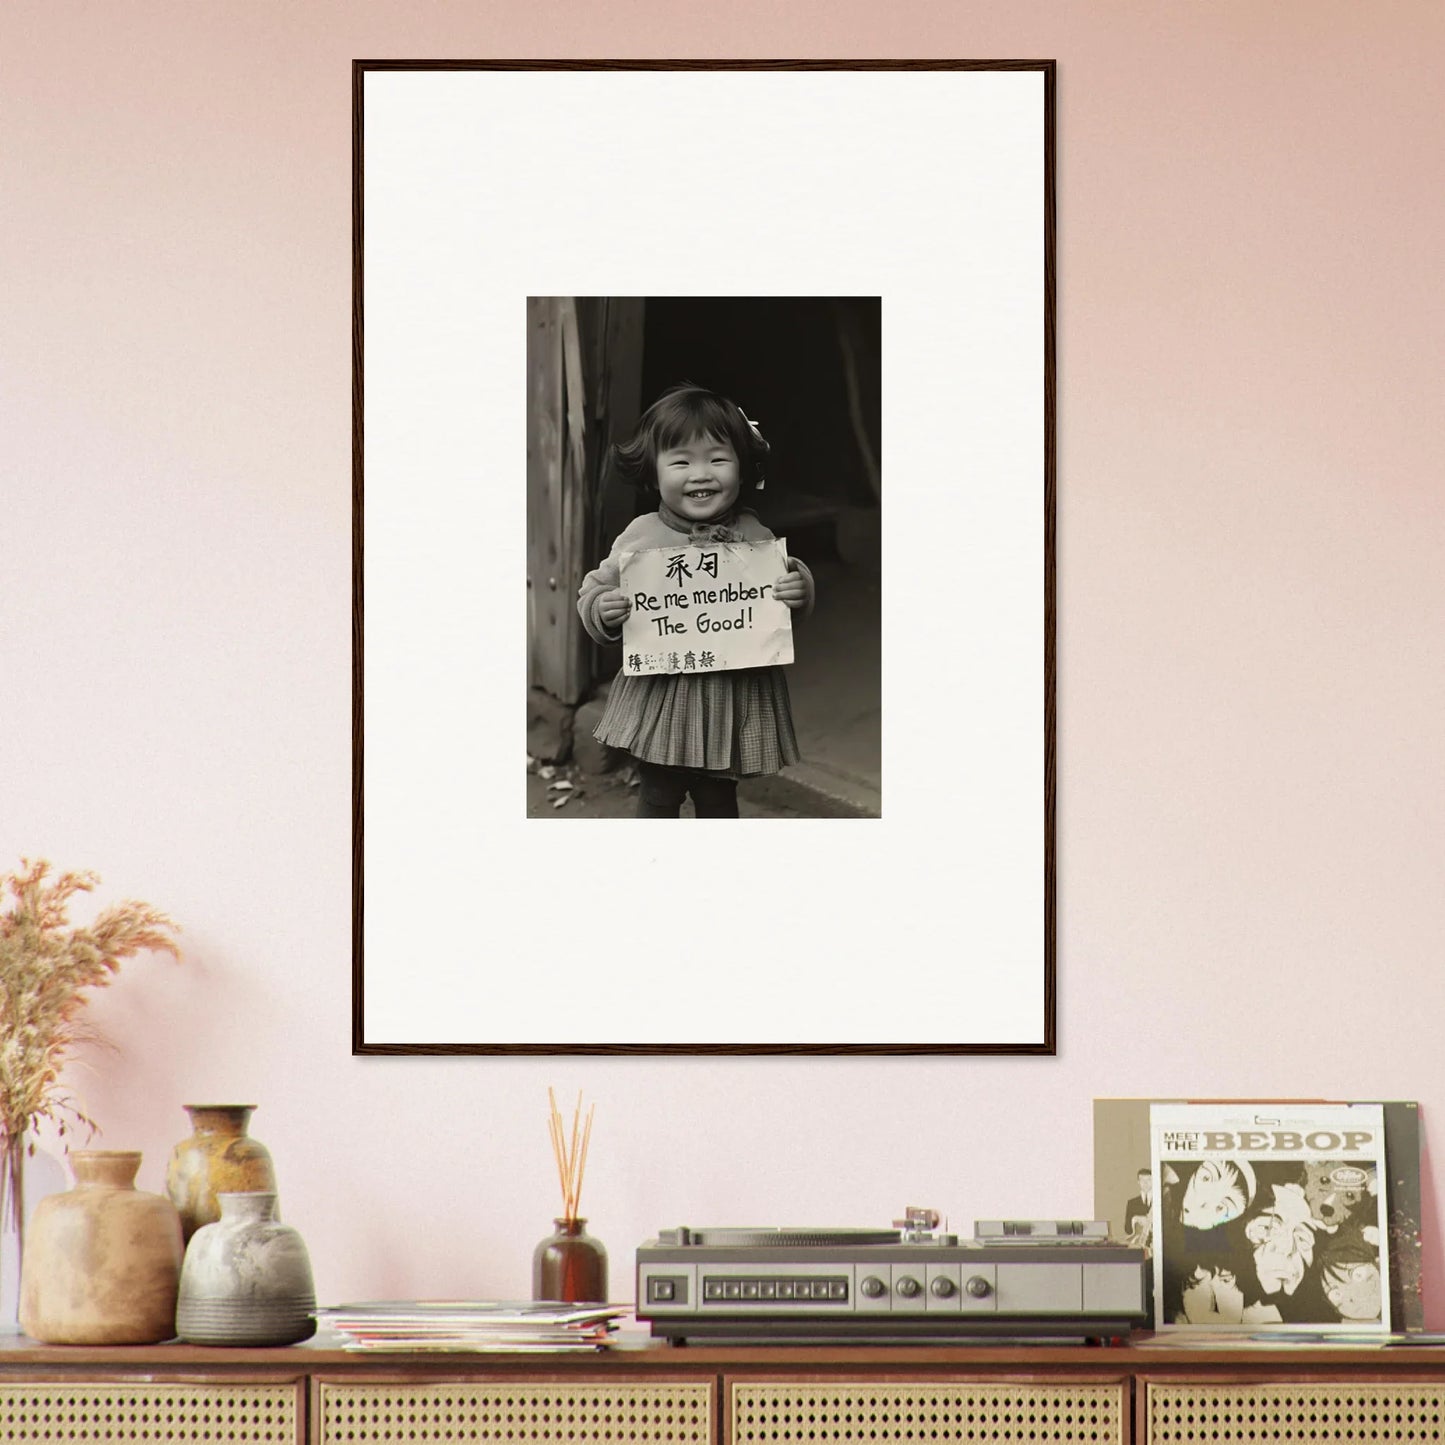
(705, 609)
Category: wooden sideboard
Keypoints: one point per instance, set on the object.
(644, 1393)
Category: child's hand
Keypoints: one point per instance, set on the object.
(613, 609)
(791, 590)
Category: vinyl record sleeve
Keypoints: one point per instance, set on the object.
(1269, 1216)
(1122, 1177)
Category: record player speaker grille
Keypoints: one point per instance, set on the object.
(894, 1413)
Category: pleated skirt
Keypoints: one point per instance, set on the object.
(738, 723)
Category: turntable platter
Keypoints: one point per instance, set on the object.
(787, 1238)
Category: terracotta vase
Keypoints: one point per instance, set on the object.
(102, 1262)
(246, 1279)
(220, 1157)
(570, 1265)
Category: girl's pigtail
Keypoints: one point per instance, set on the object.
(760, 449)
(627, 462)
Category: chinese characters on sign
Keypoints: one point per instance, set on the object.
(705, 609)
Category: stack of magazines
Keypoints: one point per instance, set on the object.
(473, 1325)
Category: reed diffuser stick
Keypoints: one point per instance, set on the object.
(570, 1151)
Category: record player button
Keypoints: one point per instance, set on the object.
(768, 1289)
(873, 1287)
(978, 1287)
(732, 1289)
(750, 1289)
(663, 1289)
(712, 1289)
(837, 1289)
(908, 1287)
(942, 1287)
(820, 1289)
(785, 1289)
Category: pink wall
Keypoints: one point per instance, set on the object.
(1251, 679)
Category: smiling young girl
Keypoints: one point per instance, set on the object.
(693, 733)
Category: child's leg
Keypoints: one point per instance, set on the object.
(714, 797)
(661, 790)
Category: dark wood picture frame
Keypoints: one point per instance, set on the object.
(370, 1037)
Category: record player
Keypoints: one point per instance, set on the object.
(1013, 1279)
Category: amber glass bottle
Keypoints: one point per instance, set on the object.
(570, 1265)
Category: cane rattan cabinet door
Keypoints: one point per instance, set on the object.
(144, 1411)
(523, 1412)
(889, 1412)
(1304, 1412)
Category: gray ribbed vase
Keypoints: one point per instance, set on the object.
(246, 1279)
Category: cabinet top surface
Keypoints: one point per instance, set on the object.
(639, 1352)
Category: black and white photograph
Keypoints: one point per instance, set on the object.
(633, 340)
(717, 488)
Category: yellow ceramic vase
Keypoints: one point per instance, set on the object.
(220, 1157)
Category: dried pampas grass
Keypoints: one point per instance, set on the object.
(46, 970)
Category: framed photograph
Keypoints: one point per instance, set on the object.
(632, 344)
